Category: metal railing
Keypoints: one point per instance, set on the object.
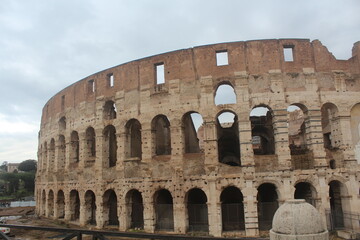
(339, 220)
(68, 234)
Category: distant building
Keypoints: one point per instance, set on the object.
(12, 167)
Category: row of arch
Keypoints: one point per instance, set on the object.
(228, 137)
(196, 205)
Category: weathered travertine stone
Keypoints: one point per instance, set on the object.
(297, 219)
(140, 145)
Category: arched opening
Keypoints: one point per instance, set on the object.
(225, 94)
(90, 145)
(74, 205)
(337, 213)
(197, 211)
(60, 204)
(232, 209)
(164, 210)
(45, 157)
(330, 123)
(110, 208)
(191, 124)
(135, 207)
(133, 139)
(52, 154)
(267, 205)
(161, 133)
(61, 153)
(74, 148)
(110, 145)
(301, 157)
(355, 130)
(340, 206)
(90, 207)
(262, 131)
(62, 124)
(228, 139)
(109, 110)
(43, 203)
(51, 203)
(332, 164)
(304, 190)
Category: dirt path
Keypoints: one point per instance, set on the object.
(17, 211)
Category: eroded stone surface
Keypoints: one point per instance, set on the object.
(296, 217)
(119, 147)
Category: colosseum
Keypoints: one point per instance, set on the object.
(208, 139)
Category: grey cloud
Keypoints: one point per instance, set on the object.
(48, 45)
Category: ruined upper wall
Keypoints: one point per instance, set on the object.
(250, 57)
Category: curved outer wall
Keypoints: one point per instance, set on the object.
(75, 163)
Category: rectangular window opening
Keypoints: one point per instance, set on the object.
(222, 58)
(289, 53)
(91, 86)
(160, 73)
(111, 80)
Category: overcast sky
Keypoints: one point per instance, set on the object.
(46, 45)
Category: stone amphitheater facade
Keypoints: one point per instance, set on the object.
(143, 146)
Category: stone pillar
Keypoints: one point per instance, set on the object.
(67, 154)
(83, 151)
(210, 142)
(67, 206)
(250, 208)
(286, 189)
(346, 139)
(55, 168)
(176, 142)
(99, 212)
(323, 196)
(47, 211)
(149, 215)
(179, 208)
(314, 137)
(179, 216)
(56, 208)
(82, 217)
(100, 158)
(245, 137)
(120, 151)
(214, 209)
(354, 199)
(123, 215)
(281, 137)
(147, 142)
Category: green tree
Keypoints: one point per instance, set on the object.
(18, 184)
(29, 181)
(12, 182)
(3, 166)
(28, 165)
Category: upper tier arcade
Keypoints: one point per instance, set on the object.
(254, 57)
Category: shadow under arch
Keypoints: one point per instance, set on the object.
(228, 138)
(232, 209)
(135, 209)
(197, 210)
